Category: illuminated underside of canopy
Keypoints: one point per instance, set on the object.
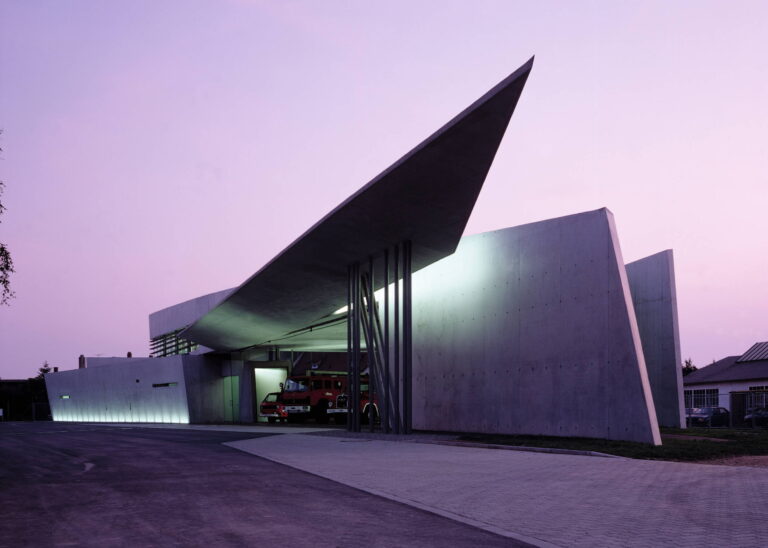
(426, 197)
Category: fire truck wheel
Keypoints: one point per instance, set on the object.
(321, 412)
(272, 419)
(364, 416)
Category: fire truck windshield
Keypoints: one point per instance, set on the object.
(295, 385)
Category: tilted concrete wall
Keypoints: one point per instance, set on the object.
(531, 330)
(652, 283)
(121, 391)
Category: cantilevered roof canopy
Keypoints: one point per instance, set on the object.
(426, 197)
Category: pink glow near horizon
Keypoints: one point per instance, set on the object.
(155, 151)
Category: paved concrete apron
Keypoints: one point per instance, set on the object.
(545, 499)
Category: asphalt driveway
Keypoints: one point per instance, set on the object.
(92, 485)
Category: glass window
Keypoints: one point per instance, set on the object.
(706, 397)
(292, 385)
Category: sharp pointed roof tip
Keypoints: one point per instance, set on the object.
(519, 75)
(525, 67)
(425, 197)
(522, 69)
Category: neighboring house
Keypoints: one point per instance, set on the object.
(737, 383)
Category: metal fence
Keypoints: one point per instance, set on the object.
(749, 409)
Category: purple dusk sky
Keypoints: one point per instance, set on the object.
(158, 150)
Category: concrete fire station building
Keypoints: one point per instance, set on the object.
(535, 329)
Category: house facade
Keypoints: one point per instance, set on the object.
(737, 383)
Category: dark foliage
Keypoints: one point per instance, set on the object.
(692, 444)
(6, 263)
(688, 367)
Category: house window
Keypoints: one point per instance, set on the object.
(164, 384)
(758, 397)
(705, 397)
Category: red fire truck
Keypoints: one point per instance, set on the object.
(321, 395)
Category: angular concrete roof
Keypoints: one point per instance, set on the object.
(426, 197)
(182, 314)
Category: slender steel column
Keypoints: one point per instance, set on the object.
(407, 331)
(396, 333)
(350, 369)
(360, 336)
(389, 357)
(371, 348)
(355, 381)
(386, 404)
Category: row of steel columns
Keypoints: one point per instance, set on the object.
(384, 329)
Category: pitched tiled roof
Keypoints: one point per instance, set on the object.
(759, 351)
(729, 369)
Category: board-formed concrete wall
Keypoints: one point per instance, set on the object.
(652, 283)
(121, 391)
(531, 330)
(209, 390)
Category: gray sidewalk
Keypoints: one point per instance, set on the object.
(544, 499)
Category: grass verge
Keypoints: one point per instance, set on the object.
(677, 444)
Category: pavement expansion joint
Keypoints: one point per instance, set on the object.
(451, 440)
(522, 448)
(354, 441)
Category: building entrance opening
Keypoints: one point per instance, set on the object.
(267, 380)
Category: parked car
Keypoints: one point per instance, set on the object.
(709, 416)
(759, 415)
